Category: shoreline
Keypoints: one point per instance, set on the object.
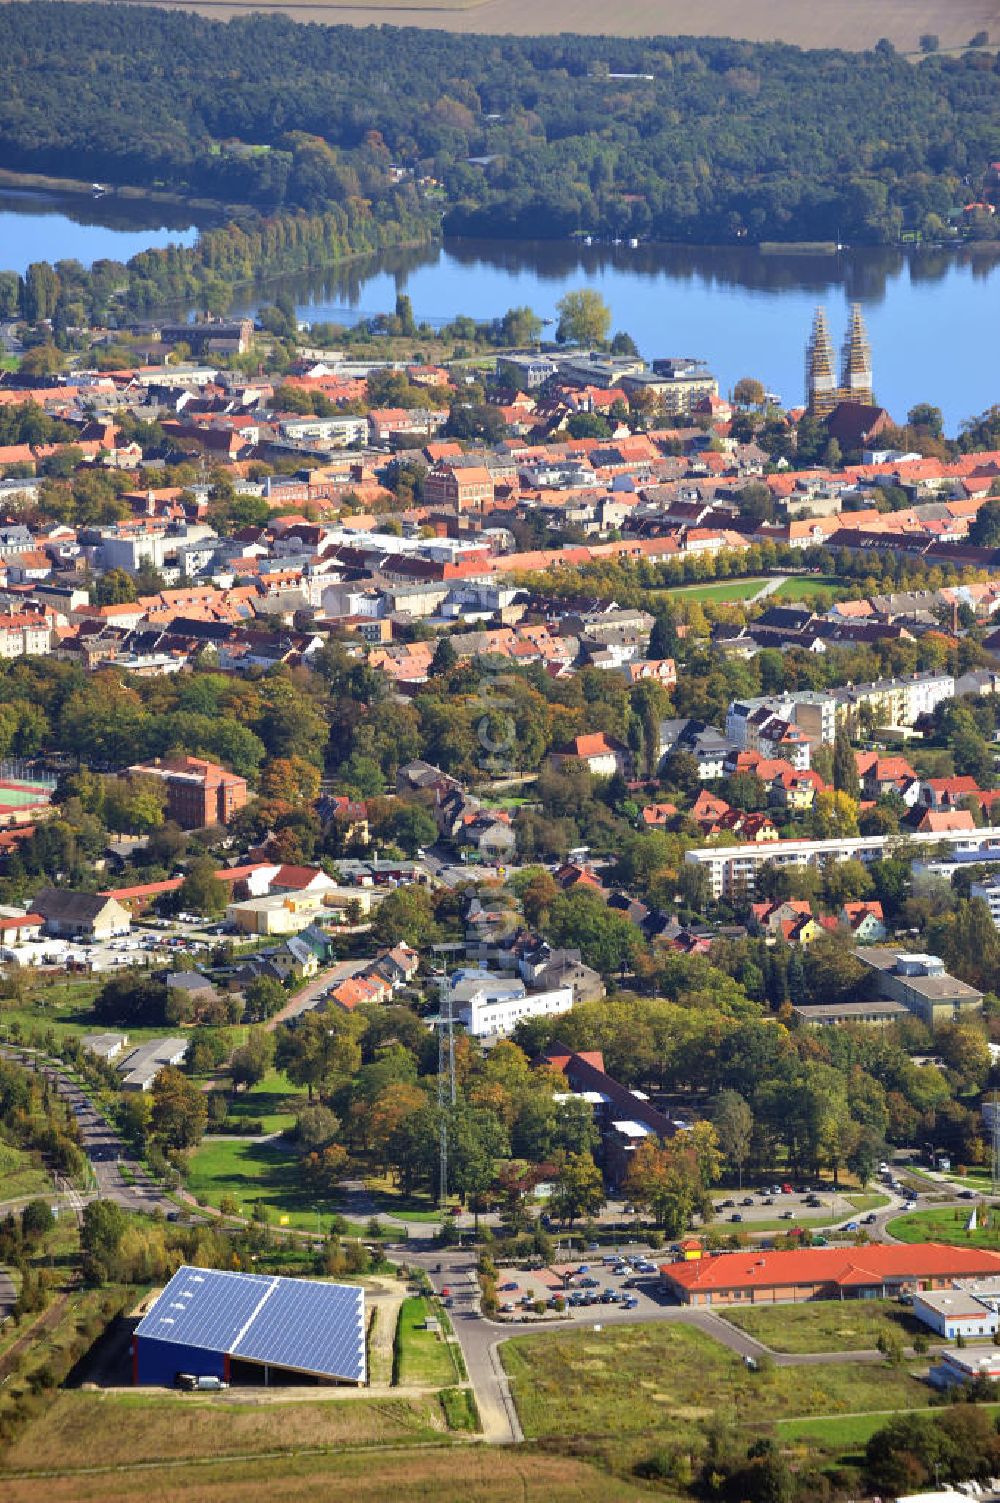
(225, 211)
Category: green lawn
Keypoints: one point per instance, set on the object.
(808, 587)
(629, 1384)
(718, 590)
(253, 1171)
(947, 1225)
(826, 1325)
(423, 1358)
(273, 1101)
(844, 1437)
(873, 1202)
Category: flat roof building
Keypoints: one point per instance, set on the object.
(922, 984)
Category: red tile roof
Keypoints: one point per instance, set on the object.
(835, 1266)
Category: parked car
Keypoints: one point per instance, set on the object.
(725, 1204)
(787, 1190)
(747, 1200)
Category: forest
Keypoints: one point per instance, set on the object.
(681, 139)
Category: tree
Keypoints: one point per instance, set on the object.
(607, 940)
(132, 998)
(584, 318)
(316, 1127)
(251, 1062)
(578, 1189)
(180, 1110)
(667, 1179)
(445, 658)
(733, 1123)
(102, 1228)
(985, 529)
(413, 827)
(749, 392)
(845, 767)
(926, 417)
(201, 891)
(264, 996)
(290, 780)
(406, 913)
(116, 587)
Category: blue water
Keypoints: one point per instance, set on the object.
(929, 314)
(37, 226)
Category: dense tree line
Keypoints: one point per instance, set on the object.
(673, 137)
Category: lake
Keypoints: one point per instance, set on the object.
(744, 311)
(40, 226)
(930, 314)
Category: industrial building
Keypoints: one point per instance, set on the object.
(955, 1312)
(252, 1328)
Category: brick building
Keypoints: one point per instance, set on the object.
(199, 793)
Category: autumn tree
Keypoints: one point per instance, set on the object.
(584, 318)
(578, 1189)
(180, 1110)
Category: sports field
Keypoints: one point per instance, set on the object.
(851, 24)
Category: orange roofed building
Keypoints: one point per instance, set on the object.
(199, 793)
(760, 1277)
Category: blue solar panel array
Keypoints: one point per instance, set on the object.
(295, 1323)
(317, 1327)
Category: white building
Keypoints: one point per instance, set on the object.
(989, 891)
(953, 1312)
(491, 1006)
(733, 869)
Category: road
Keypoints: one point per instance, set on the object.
(312, 995)
(117, 1174)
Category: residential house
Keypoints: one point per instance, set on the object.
(865, 920)
(603, 755)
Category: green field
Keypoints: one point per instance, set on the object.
(724, 591)
(718, 591)
(423, 1358)
(256, 1172)
(826, 1325)
(807, 587)
(948, 1224)
(273, 1101)
(844, 1435)
(626, 1385)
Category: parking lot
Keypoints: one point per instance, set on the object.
(811, 1203)
(608, 1284)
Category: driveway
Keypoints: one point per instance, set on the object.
(313, 993)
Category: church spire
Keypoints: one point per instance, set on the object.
(821, 382)
(856, 369)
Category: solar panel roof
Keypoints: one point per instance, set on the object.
(296, 1323)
